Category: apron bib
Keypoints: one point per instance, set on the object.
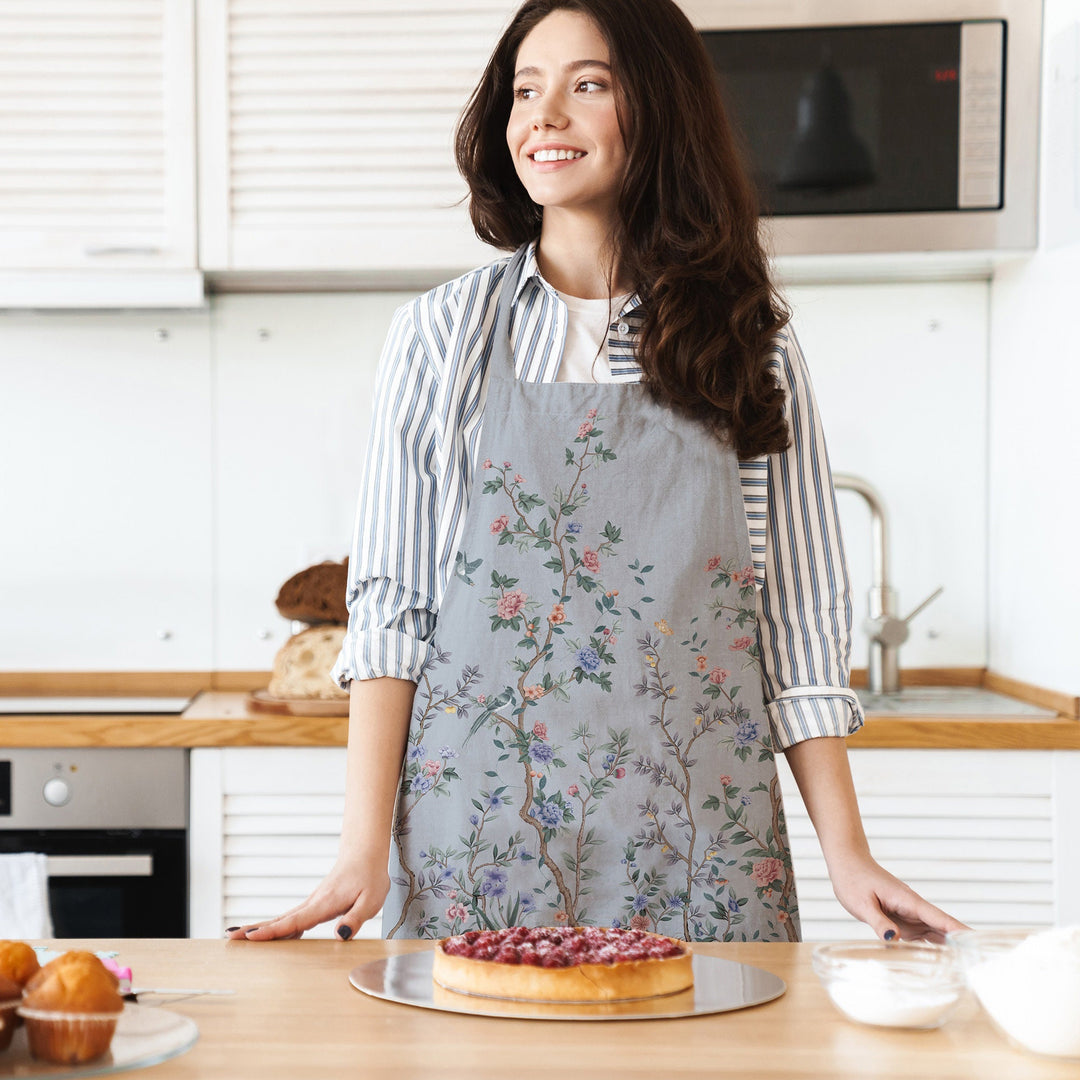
(589, 743)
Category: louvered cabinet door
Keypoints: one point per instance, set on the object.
(986, 835)
(97, 140)
(326, 132)
(265, 824)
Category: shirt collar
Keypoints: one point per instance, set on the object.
(530, 271)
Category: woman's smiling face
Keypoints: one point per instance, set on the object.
(563, 131)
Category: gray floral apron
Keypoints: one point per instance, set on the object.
(588, 743)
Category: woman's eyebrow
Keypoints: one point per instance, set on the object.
(573, 65)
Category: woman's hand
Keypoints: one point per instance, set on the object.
(354, 889)
(874, 896)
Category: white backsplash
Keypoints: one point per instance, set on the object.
(157, 490)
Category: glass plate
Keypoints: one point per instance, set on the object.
(719, 986)
(144, 1036)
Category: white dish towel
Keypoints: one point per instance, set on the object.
(24, 896)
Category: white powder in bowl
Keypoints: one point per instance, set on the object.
(878, 993)
(1033, 991)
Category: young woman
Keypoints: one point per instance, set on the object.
(598, 576)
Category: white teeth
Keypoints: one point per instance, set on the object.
(558, 155)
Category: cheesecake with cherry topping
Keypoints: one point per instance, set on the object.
(581, 964)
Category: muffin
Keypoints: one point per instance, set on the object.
(74, 957)
(10, 999)
(18, 962)
(71, 1008)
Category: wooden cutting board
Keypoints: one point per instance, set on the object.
(262, 701)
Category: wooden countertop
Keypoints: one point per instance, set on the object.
(221, 716)
(295, 1014)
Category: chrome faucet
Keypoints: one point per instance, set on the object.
(887, 632)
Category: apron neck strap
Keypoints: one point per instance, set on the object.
(501, 361)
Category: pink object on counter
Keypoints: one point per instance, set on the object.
(122, 973)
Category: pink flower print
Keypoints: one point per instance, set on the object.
(481, 699)
(702, 663)
(507, 465)
(782, 916)
(612, 639)
(572, 790)
(766, 870)
(639, 922)
(499, 524)
(725, 780)
(511, 603)
(713, 563)
(455, 912)
(583, 431)
(591, 560)
(533, 693)
(591, 414)
(486, 464)
(741, 643)
(519, 479)
(558, 615)
(431, 768)
(584, 487)
(561, 916)
(452, 894)
(718, 675)
(748, 575)
(620, 773)
(540, 729)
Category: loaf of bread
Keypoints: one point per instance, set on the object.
(302, 665)
(316, 595)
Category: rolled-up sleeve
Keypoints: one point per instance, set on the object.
(391, 592)
(804, 605)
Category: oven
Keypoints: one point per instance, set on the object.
(113, 825)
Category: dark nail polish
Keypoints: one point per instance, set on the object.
(251, 930)
(230, 929)
(344, 932)
(890, 934)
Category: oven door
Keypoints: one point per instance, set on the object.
(111, 883)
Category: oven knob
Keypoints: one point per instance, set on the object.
(56, 792)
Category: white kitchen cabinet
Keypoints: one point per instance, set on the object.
(97, 192)
(326, 135)
(107, 559)
(987, 835)
(264, 831)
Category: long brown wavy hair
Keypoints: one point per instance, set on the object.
(686, 232)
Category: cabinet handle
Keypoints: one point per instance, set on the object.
(134, 249)
(100, 865)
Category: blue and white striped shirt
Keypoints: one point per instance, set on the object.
(423, 449)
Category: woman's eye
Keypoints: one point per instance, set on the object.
(522, 93)
(590, 83)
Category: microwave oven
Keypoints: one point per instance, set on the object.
(894, 126)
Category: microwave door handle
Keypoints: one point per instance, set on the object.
(100, 866)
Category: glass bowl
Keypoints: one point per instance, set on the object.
(1028, 982)
(906, 985)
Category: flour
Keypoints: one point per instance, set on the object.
(886, 995)
(1033, 991)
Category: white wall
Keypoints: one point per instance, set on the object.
(172, 485)
(1034, 387)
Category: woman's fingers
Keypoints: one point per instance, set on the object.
(292, 924)
(366, 907)
(912, 917)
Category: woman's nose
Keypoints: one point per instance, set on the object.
(549, 115)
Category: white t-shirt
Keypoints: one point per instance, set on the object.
(585, 355)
